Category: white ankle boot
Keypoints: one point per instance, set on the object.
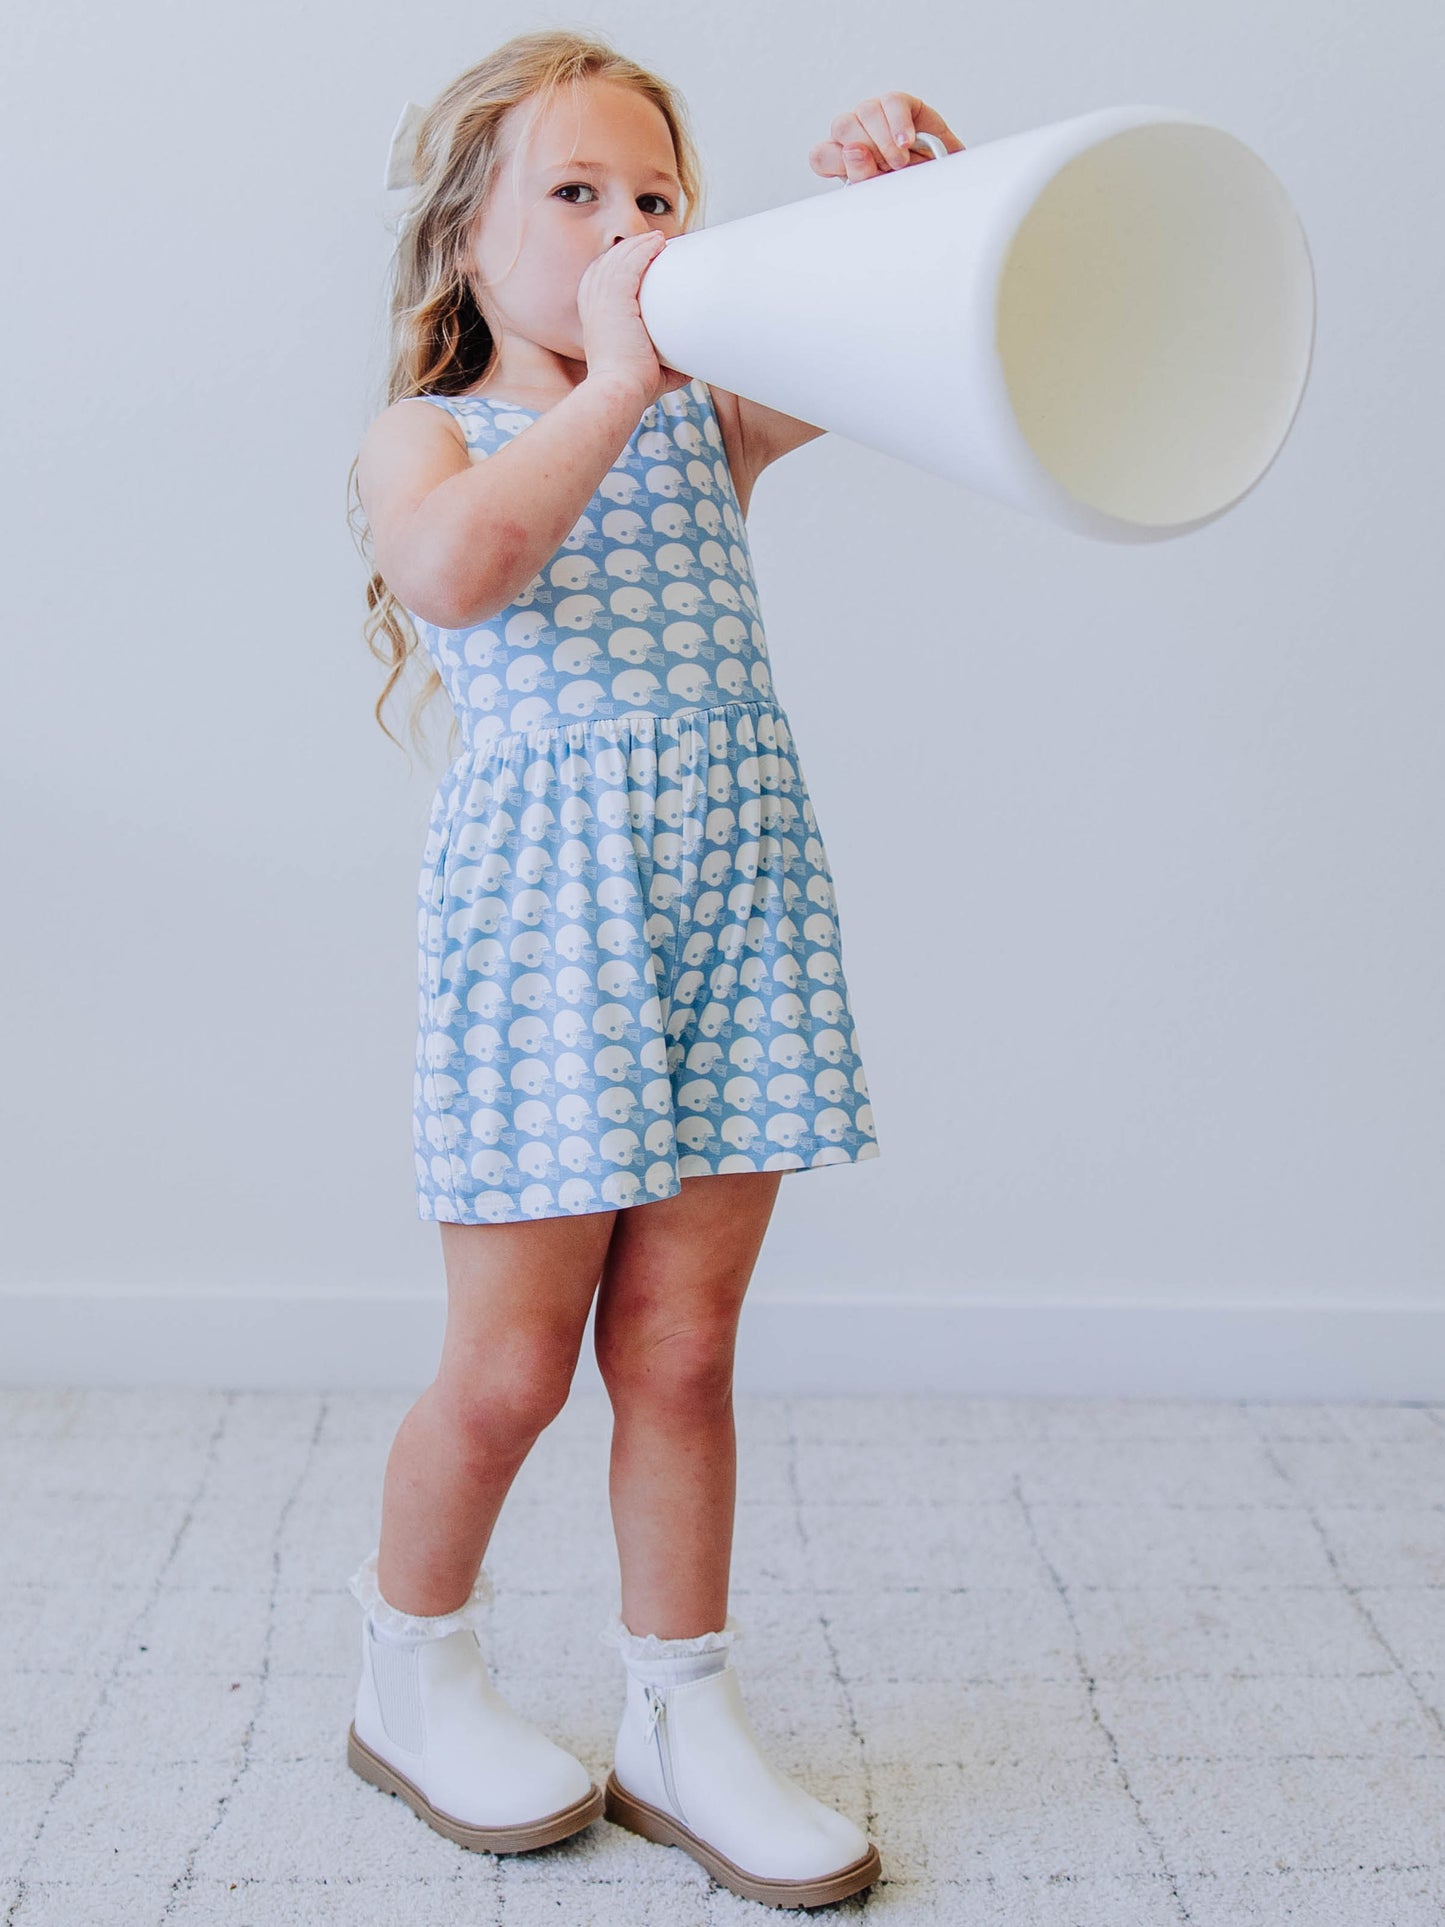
(689, 1772)
(431, 1727)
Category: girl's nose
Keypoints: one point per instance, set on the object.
(624, 230)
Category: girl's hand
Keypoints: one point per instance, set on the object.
(614, 337)
(874, 138)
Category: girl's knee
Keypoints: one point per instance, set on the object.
(687, 1366)
(511, 1392)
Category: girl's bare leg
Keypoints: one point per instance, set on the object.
(518, 1296)
(673, 1281)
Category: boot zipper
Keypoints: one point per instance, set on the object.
(656, 1711)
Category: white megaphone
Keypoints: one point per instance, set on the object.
(1108, 321)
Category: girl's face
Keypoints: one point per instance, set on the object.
(586, 176)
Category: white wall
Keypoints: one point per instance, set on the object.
(1139, 880)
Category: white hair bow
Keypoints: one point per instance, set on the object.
(401, 155)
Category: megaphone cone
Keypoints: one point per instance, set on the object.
(1107, 321)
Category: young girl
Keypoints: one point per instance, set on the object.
(633, 1012)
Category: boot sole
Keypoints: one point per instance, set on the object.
(624, 1809)
(514, 1839)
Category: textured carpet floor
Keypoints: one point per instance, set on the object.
(1077, 1663)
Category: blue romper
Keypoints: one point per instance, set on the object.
(629, 965)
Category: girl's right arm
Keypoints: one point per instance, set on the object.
(455, 540)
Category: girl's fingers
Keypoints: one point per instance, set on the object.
(826, 158)
(876, 126)
(843, 161)
(636, 247)
(882, 124)
(859, 162)
(876, 137)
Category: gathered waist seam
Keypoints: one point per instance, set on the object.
(540, 732)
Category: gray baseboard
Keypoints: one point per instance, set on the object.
(897, 1345)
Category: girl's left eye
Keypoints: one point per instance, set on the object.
(567, 185)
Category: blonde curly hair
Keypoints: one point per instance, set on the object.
(440, 342)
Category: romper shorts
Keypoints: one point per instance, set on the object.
(630, 969)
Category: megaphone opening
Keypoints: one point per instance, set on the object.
(1155, 323)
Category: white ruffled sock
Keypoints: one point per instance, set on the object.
(668, 1662)
(397, 1628)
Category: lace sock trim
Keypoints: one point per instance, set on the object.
(646, 1646)
(389, 1619)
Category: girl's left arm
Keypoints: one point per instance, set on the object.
(872, 138)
